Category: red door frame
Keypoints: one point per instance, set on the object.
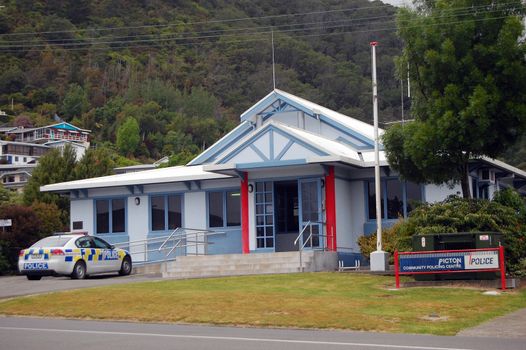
(244, 214)
(330, 209)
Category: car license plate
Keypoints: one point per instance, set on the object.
(36, 256)
(35, 266)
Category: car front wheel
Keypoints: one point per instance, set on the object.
(79, 271)
(126, 267)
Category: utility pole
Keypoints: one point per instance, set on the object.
(379, 258)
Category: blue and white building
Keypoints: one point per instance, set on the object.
(290, 164)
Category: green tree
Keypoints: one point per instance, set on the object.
(128, 136)
(94, 163)
(25, 230)
(50, 218)
(55, 166)
(504, 214)
(5, 195)
(468, 83)
(75, 102)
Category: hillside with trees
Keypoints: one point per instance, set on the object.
(184, 70)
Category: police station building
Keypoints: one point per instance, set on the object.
(290, 165)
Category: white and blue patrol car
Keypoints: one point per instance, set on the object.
(75, 255)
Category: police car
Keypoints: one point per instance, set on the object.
(76, 255)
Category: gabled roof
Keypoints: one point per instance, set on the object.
(359, 129)
(61, 125)
(361, 135)
(226, 141)
(272, 149)
(276, 144)
(15, 172)
(22, 144)
(156, 176)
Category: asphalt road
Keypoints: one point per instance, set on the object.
(13, 286)
(58, 334)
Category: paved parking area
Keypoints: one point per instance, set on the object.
(508, 326)
(13, 286)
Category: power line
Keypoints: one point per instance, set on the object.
(182, 23)
(321, 25)
(85, 41)
(394, 28)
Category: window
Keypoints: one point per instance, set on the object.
(413, 194)
(395, 205)
(398, 198)
(224, 209)
(100, 244)
(166, 212)
(110, 215)
(372, 200)
(52, 241)
(85, 242)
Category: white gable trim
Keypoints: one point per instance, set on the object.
(266, 145)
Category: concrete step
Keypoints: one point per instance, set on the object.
(247, 264)
(203, 274)
(245, 267)
(224, 274)
(225, 262)
(244, 257)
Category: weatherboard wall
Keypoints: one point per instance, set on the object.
(137, 224)
(82, 210)
(345, 234)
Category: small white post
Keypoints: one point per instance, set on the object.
(379, 259)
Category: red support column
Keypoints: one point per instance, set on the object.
(330, 210)
(244, 214)
(397, 275)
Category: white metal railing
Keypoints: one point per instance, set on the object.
(303, 243)
(168, 246)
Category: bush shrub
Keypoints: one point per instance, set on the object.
(505, 214)
(29, 224)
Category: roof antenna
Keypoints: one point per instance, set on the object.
(273, 61)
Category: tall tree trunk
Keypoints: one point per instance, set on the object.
(464, 181)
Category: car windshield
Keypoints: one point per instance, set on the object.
(52, 241)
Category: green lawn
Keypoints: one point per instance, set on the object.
(309, 300)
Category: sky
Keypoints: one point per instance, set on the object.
(397, 2)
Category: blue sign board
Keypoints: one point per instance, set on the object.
(436, 262)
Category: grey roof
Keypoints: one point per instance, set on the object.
(155, 176)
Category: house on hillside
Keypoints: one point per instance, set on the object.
(15, 180)
(290, 165)
(20, 152)
(54, 132)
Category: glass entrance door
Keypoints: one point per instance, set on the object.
(311, 214)
(264, 215)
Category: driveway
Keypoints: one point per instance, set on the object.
(14, 286)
